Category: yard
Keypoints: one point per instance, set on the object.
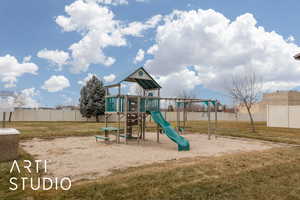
(265, 174)
(225, 128)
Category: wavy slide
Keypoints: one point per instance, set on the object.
(183, 144)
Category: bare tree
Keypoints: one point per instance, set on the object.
(187, 94)
(246, 90)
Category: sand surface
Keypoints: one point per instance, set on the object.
(83, 158)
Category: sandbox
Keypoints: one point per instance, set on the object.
(82, 158)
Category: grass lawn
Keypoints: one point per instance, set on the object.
(272, 174)
(226, 128)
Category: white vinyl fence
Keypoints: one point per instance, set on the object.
(74, 115)
(283, 116)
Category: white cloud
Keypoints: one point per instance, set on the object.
(177, 83)
(110, 2)
(56, 83)
(99, 29)
(56, 57)
(217, 48)
(11, 69)
(26, 59)
(152, 49)
(290, 39)
(139, 56)
(26, 98)
(109, 78)
(86, 79)
(272, 86)
(136, 28)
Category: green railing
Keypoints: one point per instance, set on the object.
(150, 104)
(112, 105)
(146, 104)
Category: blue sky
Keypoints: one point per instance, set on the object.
(28, 27)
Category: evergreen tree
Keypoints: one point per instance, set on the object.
(92, 99)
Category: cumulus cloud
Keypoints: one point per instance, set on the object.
(139, 56)
(99, 29)
(179, 82)
(27, 59)
(109, 78)
(290, 39)
(110, 2)
(208, 47)
(86, 79)
(11, 69)
(137, 28)
(56, 57)
(152, 49)
(56, 83)
(26, 98)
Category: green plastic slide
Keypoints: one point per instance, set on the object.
(183, 144)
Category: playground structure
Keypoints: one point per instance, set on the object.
(135, 109)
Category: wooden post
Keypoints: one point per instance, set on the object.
(208, 115)
(126, 118)
(3, 122)
(119, 112)
(184, 115)
(157, 131)
(177, 116)
(144, 126)
(139, 118)
(216, 118)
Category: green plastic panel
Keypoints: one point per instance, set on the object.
(147, 104)
(111, 104)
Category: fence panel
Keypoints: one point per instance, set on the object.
(74, 115)
(278, 116)
(294, 116)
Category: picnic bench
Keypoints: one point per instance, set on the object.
(106, 130)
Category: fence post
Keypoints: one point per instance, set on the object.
(267, 115)
(288, 111)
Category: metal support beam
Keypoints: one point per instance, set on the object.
(216, 119)
(126, 118)
(157, 131)
(3, 122)
(208, 115)
(119, 117)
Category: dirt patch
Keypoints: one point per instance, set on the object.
(82, 158)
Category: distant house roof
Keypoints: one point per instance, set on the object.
(297, 56)
(141, 77)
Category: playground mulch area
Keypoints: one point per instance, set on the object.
(81, 158)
